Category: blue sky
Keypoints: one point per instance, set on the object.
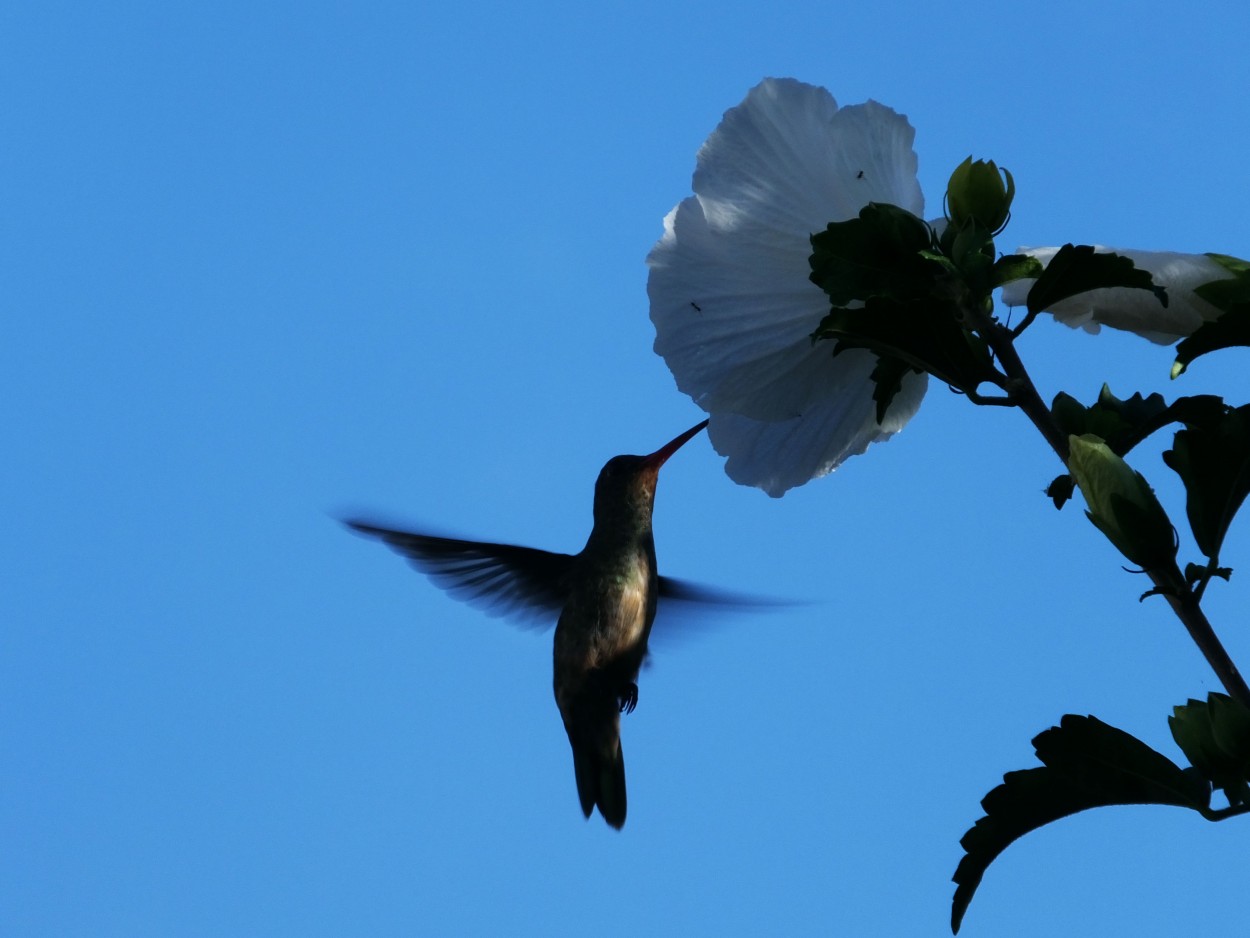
(265, 265)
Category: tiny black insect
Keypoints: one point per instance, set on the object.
(860, 174)
(697, 307)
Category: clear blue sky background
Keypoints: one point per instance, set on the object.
(267, 263)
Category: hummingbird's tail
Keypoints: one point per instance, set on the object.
(594, 728)
(601, 783)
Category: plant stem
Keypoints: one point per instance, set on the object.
(1020, 386)
(1169, 583)
(1186, 607)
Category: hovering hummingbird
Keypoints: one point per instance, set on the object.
(606, 599)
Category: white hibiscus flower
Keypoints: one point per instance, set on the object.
(731, 301)
(1137, 311)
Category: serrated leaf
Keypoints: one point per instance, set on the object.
(1117, 764)
(1087, 764)
(1197, 410)
(922, 333)
(1230, 725)
(1232, 298)
(877, 253)
(887, 378)
(1077, 269)
(1193, 728)
(1212, 457)
(1122, 424)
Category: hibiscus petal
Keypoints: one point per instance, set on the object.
(730, 296)
(1136, 311)
(721, 304)
(788, 160)
(778, 455)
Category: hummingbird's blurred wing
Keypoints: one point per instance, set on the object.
(689, 610)
(683, 591)
(521, 583)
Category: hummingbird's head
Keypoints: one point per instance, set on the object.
(626, 485)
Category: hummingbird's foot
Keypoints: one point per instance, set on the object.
(628, 699)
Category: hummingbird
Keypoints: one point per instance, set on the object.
(605, 596)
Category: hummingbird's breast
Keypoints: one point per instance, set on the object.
(609, 613)
(626, 614)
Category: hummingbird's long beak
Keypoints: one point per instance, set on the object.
(660, 456)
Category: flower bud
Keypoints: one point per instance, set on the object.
(979, 192)
(1121, 503)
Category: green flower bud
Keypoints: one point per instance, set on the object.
(979, 192)
(1121, 503)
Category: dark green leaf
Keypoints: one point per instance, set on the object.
(896, 291)
(1197, 410)
(1078, 269)
(971, 250)
(1061, 489)
(937, 257)
(887, 378)
(1117, 764)
(1015, 267)
(1212, 457)
(1087, 764)
(1225, 759)
(1232, 297)
(1070, 414)
(1125, 423)
(1121, 423)
(875, 254)
(1230, 725)
(1232, 329)
(922, 333)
